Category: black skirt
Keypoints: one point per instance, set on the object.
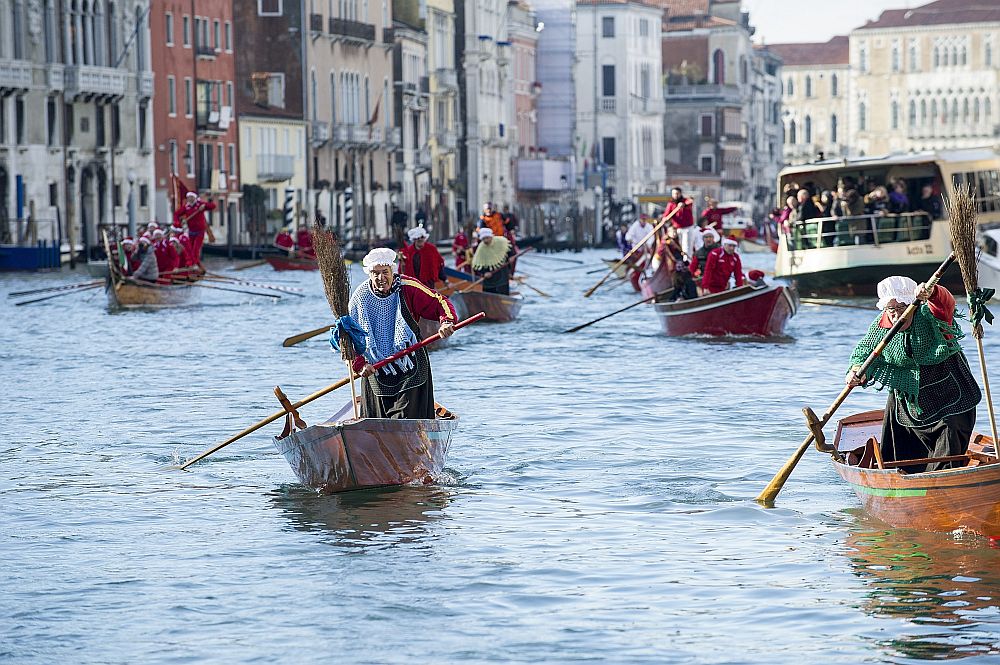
(415, 403)
(947, 436)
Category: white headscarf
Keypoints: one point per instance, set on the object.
(417, 232)
(899, 288)
(710, 233)
(383, 256)
(485, 232)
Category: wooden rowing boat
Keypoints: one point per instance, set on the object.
(760, 311)
(498, 307)
(344, 454)
(292, 263)
(966, 497)
(133, 294)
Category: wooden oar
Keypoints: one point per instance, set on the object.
(59, 295)
(640, 245)
(767, 496)
(67, 287)
(554, 258)
(324, 391)
(301, 337)
(229, 280)
(833, 303)
(252, 264)
(619, 311)
(223, 288)
(480, 280)
(520, 280)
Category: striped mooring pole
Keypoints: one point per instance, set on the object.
(348, 216)
(289, 208)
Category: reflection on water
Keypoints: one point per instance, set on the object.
(945, 589)
(383, 517)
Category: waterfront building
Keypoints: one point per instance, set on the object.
(816, 83)
(443, 118)
(195, 131)
(75, 137)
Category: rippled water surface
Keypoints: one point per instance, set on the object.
(599, 505)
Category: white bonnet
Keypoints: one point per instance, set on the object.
(383, 256)
(417, 232)
(899, 288)
(485, 232)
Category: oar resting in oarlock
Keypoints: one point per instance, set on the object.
(381, 319)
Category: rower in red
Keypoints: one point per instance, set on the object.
(304, 241)
(285, 241)
(421, 259)
(721, 264)
(193, 212)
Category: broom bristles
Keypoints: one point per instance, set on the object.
(962, 214)
(336, 281)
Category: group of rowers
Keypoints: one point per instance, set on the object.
(689, 250)
(492, 261)
(299, 246)
(170, 255)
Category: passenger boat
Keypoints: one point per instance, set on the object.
(966, 497)
(989, 260)
(124, 293)
(761, 311)
(499, 308)
(344, 454)
(850, 255)
(292, 263)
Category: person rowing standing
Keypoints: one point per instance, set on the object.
(492, 262)
(931, 408)
(384, 313)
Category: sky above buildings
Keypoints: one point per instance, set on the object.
(779, 21)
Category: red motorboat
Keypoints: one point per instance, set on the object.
(292, 263)
(762, 311)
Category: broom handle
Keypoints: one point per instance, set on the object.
(986, 389)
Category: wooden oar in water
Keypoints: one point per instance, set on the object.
(324, 391)
(59, 295)
(301, 337)
(619, 311)
(230, 280)
(252, 264)
(520, 280)
(67, 287)
(833, 303)
(767, 496)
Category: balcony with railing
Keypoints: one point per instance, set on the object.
(145, 85)
(316, 23)
(609, 105)
(422, 159)
(447, 79)
(275, 168)
(447, 140)
(646, 106)
(393, 138)
(90, 82)
(212, 119)
(352, 31)
(320, 132)
(205, 51)
(15, 75)
(726, 93)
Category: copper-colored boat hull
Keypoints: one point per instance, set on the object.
(128, 295)
(963, 498)
(339, 455)
(498, 307)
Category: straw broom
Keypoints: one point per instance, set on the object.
(337, 286)
(962, 212)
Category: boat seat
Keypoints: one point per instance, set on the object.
(863, 456)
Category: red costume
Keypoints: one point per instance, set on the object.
(425, 263)
(719, 267)
(684, 218)
(305, 242)
(284, 240)
(714, 216)
(458, 247)
(194, 215)
(166, 261)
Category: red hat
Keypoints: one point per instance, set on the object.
(755, 275)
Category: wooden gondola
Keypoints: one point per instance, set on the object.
(126, 293)
(344, 454)
(292, 263)
(964, 497)
(499, 308)
(760, 311)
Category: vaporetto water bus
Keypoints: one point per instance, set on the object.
(849, 255)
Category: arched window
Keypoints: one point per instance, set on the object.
(744, 73)
(988, 55)
(954, 56)
(833, 86)
(775, 112)
(809, 86)
(937, 57)
(913, 113)
(833, 128)
(719, 67)
(895, 58)
(894, 114)
(49, 30)
(791, 87)
(862, 116)
(792, 138)
(962, 56)
(987, 108)
(140, 41)
(934, 115)
(314, 90)
(368, 102)
(923, 111)
(809, 129)
(112, 32)
(965, 110)
(954, 111)
(913, 57)
(975, 111)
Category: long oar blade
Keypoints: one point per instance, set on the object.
(223, 288)
(252, 264)
(59, 295)
(301, 337)
(608, 316)
(67, 287)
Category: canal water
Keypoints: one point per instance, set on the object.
(598, 505)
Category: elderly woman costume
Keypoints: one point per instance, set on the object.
(931, 409)
(384, 312)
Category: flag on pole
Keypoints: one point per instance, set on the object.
(372, 120)
(178, 191)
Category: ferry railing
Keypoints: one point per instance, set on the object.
(872, 229)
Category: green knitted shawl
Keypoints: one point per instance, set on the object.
(898, 367)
